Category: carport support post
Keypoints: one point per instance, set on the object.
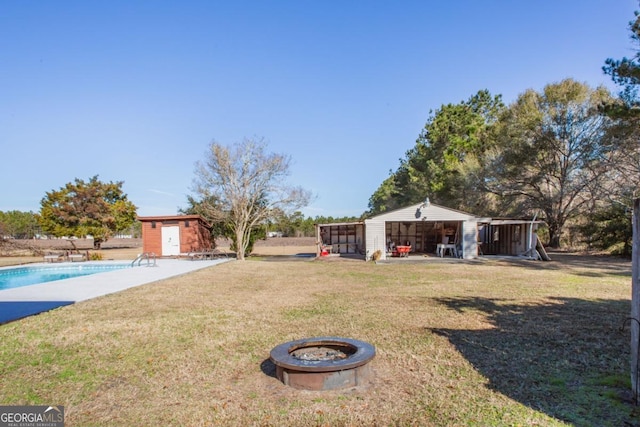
(635, 301)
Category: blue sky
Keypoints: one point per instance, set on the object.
(135, 91)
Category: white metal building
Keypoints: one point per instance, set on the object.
(423, 226)
(428, 228)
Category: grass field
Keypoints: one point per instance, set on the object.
(491, 343)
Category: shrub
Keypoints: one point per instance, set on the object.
(95, 256)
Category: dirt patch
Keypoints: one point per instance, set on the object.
(276, 246)
(286, 241)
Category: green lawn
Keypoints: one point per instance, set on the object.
(491, 343)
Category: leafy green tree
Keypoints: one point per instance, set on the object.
(626, 73)
(330, 219)
(609, 228)
(87, 208)
(387, 196)
(292, 225)
(242, 185)
(553, 153)
(308, 228)
(18, 224)
(447, 162)
(624, 171)
(297, 225)
(198, 207)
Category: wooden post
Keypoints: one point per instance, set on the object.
(635, 300)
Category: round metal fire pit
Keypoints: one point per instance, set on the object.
(323, 363)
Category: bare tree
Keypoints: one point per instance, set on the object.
(242, 185)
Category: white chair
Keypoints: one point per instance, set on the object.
(442, 248)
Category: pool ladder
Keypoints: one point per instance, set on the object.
(149, 256)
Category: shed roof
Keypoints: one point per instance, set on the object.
(174, 218)
(420, 210)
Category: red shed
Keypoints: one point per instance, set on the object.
(175, 235)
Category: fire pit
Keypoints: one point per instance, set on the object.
(323, 363)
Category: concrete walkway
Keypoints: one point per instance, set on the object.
(25, 301)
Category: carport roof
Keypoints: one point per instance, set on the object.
(340, 223)
(509, 221)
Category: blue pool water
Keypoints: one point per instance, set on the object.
(25, 276)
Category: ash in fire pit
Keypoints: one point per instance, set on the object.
(323, 363)
(319, 353)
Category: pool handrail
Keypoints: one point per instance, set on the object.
(145, 255)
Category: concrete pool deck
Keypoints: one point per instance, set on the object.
(16, 303)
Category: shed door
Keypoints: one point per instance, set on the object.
(170, 241)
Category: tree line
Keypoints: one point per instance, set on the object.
(297, 225)
(25, 225)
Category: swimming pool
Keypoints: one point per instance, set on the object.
(31, 275)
